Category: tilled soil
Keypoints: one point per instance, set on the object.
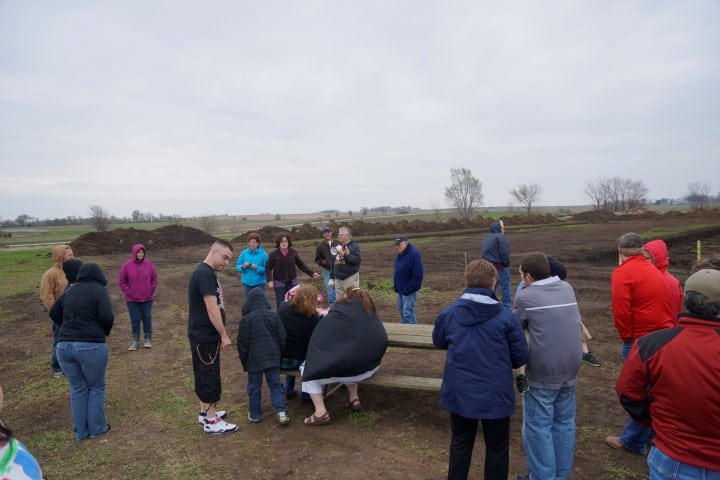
(402, 434)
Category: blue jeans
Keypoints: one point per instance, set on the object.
(663, 467)
(53, 357)
(281, 291)
(549, 431)
(254, 391)
(635, 437)
(140, 312)
(330, 291)
(406, 306)
(247, 288)
(85, 364)
(504, 284)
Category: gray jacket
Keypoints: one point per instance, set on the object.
(549, 310)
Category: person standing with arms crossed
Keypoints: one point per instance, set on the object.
(207, 335)
(138, 280)
(407, 278)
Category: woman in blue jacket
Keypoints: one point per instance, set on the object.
(484, 342)
(251, 264)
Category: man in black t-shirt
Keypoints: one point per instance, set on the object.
(207, 335)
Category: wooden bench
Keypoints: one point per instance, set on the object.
(399, 336)
(387, 379)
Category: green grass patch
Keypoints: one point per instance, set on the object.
(362, 419)
(22, 270)
(423, 449)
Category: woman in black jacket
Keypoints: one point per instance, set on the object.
(345, 347)
(280, 269)
(85, 316)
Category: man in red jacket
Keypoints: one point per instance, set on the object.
(640, 305)
(669, 381)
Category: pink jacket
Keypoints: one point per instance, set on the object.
(138, 278)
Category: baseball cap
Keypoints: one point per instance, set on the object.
(706, 282)
(326, 228)
(399, 240)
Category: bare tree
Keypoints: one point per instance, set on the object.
(208, 224)
(464, 192)
(527, 195)
(594, 191)
(99, 218)
(698, 194)
(616, 194)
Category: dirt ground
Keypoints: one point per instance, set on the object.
(403, 434)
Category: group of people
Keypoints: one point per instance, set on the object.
(668, 353)
(343, 346)
(82, 317)
(539, 334)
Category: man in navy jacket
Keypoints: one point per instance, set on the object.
(407, 279)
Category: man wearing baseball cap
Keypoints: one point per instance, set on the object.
(640, 304)
(407, 278)
(670, 382)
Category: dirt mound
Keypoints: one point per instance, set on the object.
(267, 235)
(122, 239)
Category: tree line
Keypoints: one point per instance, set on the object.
(614, 194)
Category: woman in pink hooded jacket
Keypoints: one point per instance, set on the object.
(138, 280)
(660, 258)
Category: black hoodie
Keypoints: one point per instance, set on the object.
(84, 312)
(261, 336)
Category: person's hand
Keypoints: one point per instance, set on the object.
(253, 266)
(246, 265)
(270, 285)
(316, 275)
(225, 341)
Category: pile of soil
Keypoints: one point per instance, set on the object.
(121, 240)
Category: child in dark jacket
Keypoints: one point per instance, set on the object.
(261, 338)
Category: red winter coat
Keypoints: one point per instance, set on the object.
(661, 259)
(640, 299)
(669, 382)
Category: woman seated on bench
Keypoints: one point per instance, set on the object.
(345, 347)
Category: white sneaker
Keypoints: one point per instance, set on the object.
(218, 426)
(202, 416)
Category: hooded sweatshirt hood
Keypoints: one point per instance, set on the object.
(71, 268)
(478, 303)
(495, 227)
(91, 272)
(58, 254)
(135, 249)
(658, 251)
(256, 300)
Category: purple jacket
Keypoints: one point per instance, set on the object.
(138, 278)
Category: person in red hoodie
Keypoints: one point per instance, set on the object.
(640, 305)
(670, 382)
(138, 281)
(660, 258)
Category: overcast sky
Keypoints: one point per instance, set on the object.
(243, 107)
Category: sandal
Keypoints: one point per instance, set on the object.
(315, 421)
(355, 405)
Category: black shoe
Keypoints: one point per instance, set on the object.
(522, 383)
(590, 360)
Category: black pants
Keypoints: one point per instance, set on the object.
(496, 434)
(206, 369)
